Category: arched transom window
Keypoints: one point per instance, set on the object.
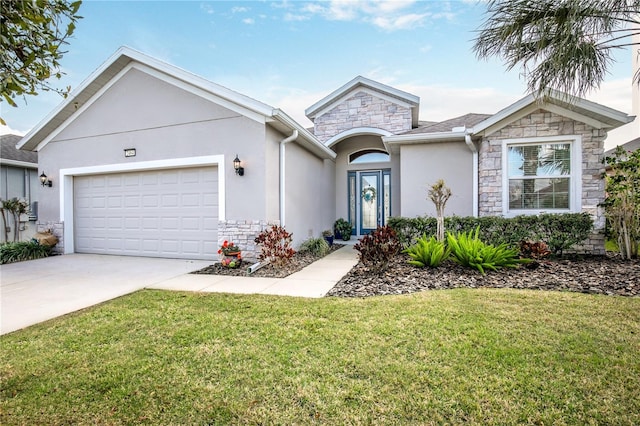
(368, 156)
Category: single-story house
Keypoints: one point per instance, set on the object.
(141, 157)
(19, 179)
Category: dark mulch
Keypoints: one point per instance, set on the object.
(296, 263)
(590, 274)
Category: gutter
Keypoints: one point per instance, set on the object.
(474, 151)
(283, 142)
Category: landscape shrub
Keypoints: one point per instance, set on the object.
(275, 245)
(622, 205)
(535, 250)
(563, 231)
(468, 250)
(559, 231)
(316, 246)
(428, 252)
(378, 248)
(23, 250)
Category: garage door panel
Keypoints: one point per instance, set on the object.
(169, 213)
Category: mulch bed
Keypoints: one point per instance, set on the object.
(297, 262)
(608, 275)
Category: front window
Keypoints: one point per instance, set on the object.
(541, 176)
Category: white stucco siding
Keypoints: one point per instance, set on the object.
(161, 122)
(422, 165)
(309, 203)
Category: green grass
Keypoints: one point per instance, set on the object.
(455, 356)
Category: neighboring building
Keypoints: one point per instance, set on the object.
(141, 159)
(19, 179)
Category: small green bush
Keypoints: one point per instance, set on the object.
(428, 252)
(378, 248)
(316, 246)
(468, 250)
(23, 250)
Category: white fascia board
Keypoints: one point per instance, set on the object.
(356, 131)
(336, 101)
(379, 88)
(312, 143)
(504, 114)
(393, 143)
(62, 105)
(171, 73)
(16, 163)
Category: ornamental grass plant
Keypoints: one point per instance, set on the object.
(468, 250)
(428, 252)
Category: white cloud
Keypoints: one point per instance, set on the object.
(207, 8)
(6, 130)
(249, 21)
(401, 22)
(295, 17)
(615, 94)
(239, 9)
(387, 15)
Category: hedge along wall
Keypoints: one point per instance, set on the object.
(561, 232)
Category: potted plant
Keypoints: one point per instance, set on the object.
(342, 228)
(231, 255)
(328, 236)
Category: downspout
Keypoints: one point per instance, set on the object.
(283, 142)
(474, 151)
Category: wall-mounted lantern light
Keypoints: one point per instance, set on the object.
(236, 165)
(44, 181)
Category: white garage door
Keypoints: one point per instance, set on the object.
(161, 213)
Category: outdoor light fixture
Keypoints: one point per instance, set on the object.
(44, 181)
(236, 165)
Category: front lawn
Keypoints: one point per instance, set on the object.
(483, 356)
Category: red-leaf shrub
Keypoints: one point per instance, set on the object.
(378, 248)
(535, 250)
(275, 245)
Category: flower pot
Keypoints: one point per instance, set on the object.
(231, 260)
(329, 240)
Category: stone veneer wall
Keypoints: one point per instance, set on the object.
(362, 110)
(57, 228)
(537, 124)
(243, 234)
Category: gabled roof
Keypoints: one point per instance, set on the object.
(632, 145)
(124, 57)
(11, 155)
(411, 101)
(467, 121)
(478, 125)
(591, 113)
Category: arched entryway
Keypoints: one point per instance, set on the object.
(365, 182)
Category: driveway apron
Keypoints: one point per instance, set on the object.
(38, 290)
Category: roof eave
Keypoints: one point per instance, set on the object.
(392, 143)
(110, 68)
(305, 138)
(362, 81)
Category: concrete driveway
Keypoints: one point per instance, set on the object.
(38, 290)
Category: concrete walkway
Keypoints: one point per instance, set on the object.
(313, 281)
(38, 290)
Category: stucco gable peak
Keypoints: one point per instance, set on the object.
(103, 76)
(360, 82)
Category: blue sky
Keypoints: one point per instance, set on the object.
(290, 54)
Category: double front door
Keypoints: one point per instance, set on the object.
(369, 195)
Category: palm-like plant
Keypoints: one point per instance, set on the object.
(565, 45)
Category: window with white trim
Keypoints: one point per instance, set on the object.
(541, 175)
